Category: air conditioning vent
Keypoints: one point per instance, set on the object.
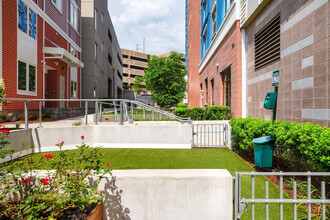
(267, 44)
(243, 12)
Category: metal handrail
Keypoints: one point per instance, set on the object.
(123, 107)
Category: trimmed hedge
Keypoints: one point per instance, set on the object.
(181, 105)
(216, 112)
(305, 144)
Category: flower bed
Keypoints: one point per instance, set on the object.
(65, 191)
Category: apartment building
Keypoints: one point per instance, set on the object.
(103, 72)
(292, 37)
(218, 78)
(40, 55)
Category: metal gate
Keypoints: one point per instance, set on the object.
(209, 135)
(242, 203)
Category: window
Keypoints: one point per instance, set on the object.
(73, 51)
(27, 24)
(26, 79)
(214, 19)
(212, 92)
(74, 15)
(119, 59)
(206, 92)
(204, 9)
(109, 35)
(102, 18)
(58, 4)
(95, 21)
(95, 53)
(267, 44)
(204, 40)
(102, 47)
(73, 82)
(109, 58)
(226, 84)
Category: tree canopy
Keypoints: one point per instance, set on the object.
(164, 78)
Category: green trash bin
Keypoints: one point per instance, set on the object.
(263, 151)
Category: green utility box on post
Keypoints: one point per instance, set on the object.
(263, 151)
(270, 100)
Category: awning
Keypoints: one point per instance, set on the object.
(64, 55)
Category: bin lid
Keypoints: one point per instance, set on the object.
(262, 140)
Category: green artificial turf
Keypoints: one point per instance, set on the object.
(219, 158)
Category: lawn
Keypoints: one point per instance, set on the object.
(220, 158)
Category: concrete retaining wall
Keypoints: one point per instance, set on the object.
(170, 136)
(168, 194)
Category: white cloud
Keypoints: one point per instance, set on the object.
(161, 22)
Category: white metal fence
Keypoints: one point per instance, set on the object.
(210, 135)
(241, 203)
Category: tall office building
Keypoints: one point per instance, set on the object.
(103, 72)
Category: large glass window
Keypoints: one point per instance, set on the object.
(26, 80)
(228, 88)
(95, 53)
(73, 82)
(58, 4)
(74, 15)
(95, 17)
(214, 19)
(27, 24)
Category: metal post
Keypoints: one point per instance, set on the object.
(96, 107)
(26, 111)
(100, 112)
(192, 130)
(309, 207)
(152, 115)
(121, 119)
(86, 113)
(281, 196)
(40, 114)
(323, 198)
(144, 113)
(132, 113)
(274, 111)
(252, 197)
(236, 202)
(295, 197)
(267, 197)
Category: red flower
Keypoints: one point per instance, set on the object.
(108, 164)
(5, 131)
(45, 181)
(1, 125)
(83, 137)
(26, 180)
(101, 192)
(48, 156)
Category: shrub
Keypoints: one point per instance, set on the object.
(181, 105)
(197, 113)
(305, 144)
(217, 112)
(182, 112)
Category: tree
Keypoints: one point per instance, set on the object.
(164, 78)
(138, 85)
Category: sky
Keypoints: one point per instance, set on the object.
(161, 22)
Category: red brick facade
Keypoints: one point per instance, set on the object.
(227, 57)
(50, 37)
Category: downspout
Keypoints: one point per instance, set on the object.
(244, 70)
(43, 64)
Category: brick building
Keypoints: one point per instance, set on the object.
(217, 78)
(292, 37)
(40, 51)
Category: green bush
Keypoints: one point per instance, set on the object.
(197, 113)
(182, 112)
(181, 105)
(305, 144)
(217, 112)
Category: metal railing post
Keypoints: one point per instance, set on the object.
(152, 115)
(26, 111)
(144, 113)
(96, 106)
(40, 114)
(121, 119)
(86, 113)
(132, 113)
(100, 112)
(236, 201)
